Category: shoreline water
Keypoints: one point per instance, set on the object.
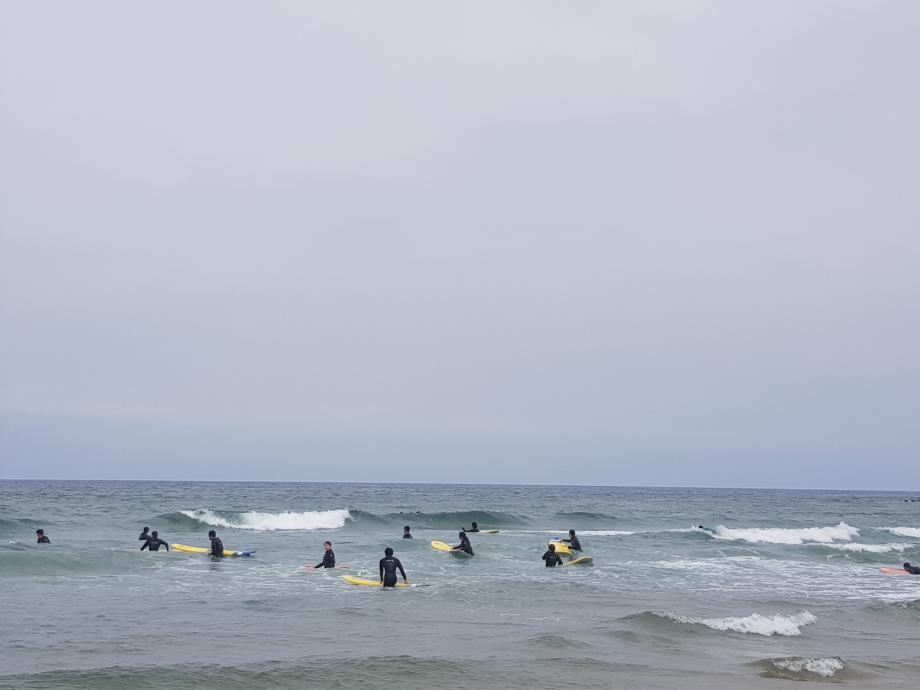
(787, 591)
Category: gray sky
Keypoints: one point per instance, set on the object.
(603, 242)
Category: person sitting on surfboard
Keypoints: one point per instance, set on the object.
(464, 544)
(389, 564)
(217, 546)
(572, 541)
(328, 557)
(40, 537)
(406, 533)
(474, 528)
(145, 534)
(551, 557)
(154, 542)
(912, 569)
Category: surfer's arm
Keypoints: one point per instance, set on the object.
(401, 569)
(145, 545)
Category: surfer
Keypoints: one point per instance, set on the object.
(464, 544)
(389, 564)
(40, 537)
(154, 542)
(572, 541)
(474, 528)
(551, 557)
(711, 530)
(328, 557)
(145, 534)
(406, 533)
(912, 569)
(217, 546)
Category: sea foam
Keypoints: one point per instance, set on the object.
(787, 625)
(266, 522)
(825, 667)
(866, 548)
(905, 531)
(776, 535)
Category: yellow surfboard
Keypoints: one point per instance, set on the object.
(199, 549)
(581, 560)
(440, 546)
(561, 548)
(361, 582)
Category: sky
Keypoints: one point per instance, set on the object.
(653, 243)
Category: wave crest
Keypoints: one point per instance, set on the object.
(776, 535)
(268, 522)
(905, 531)
(757, 624)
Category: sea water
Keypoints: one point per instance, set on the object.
(787, 590)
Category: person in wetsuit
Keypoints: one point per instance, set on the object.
(40, 537)
(551, 557)
(154, 543)
(464, 544)
(474, 528)
(328, 557)
(572, 541)
(217, 546)
(912, 569)
(389, 564)
(145, 534)
(406, 533)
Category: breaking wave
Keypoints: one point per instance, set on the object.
(756, 624)
(801, 667)
(267, 522)
(905, 531)
(776, 535)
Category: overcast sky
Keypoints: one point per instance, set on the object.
(663, 243)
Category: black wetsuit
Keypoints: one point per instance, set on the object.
(573, 543)
(552, 559)
(217, 547)
(913, 570)
(154, 544)
(144, 536)
(328, 560)
(388, 567)
(406, 535)
(43, 540)
(465, 546)
(471, 530)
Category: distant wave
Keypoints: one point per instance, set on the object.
(799, 667)
(905, 531)
(866, 548)
(267, 522)
(454, 520)
(583, 515)
(757, 624)
(776, 535)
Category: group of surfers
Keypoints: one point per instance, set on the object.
(389, 564)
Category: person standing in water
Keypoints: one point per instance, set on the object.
(154, 542)
(145, 534)
(40, 537)
(406, 533)
(572, 541)
(217, 546)
(464, 544)
(389, 564)
(328, 557)
(474, 528)
(551, 557)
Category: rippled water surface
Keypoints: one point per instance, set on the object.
(785, 589)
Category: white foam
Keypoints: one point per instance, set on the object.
(905, 531)
(776, 535)
(266, 522)
(868, 548)
(825, 667)
(755, 623)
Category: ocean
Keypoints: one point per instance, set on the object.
(788, 589)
